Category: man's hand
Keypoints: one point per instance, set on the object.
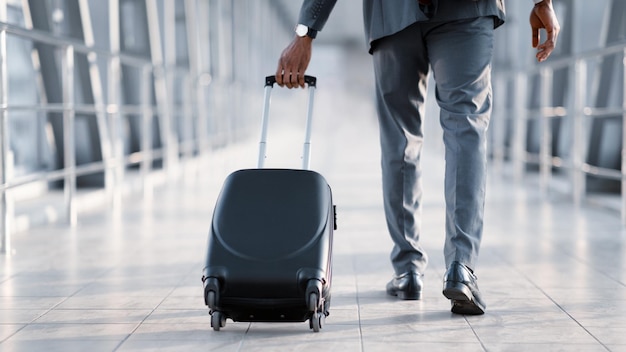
(293, 63)
(543, 16)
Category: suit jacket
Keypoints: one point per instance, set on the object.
(386, 17)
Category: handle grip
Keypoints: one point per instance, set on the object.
(310, 80)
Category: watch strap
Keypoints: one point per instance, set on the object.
(311, 33)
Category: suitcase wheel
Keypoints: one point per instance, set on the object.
(317, 318)
(313, 303)
(218, 320)
(211, 292)
(316, 321)
(211, 299)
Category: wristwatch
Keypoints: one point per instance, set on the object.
(302, 30)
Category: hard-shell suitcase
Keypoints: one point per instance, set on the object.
(270, 243)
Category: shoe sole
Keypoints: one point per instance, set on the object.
(463, 301)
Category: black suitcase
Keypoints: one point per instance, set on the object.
(270, 243)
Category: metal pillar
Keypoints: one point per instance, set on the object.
(521, 125)
(163, 99)
(623, 152)
(498, 148)
(196, 84)
(545, 146)
(578, 94)
(114, 96)
(146, 135)
(69, 142)
(106, 145)
(5, 235)
(166, 87)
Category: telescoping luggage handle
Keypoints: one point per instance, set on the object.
(306, 153)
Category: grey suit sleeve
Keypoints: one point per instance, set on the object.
(314, 13)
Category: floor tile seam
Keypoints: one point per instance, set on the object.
(560, 343)
(403, 310)
(14, 333)
(482, 344)
(133, 330)
(424, 328)
(187, 309)
(587, 300)
(34, 320)
(89, 340)
(606, 326)
(442, 341)
(68, 297)
(532, 325)
(358, 304)
(93, 281)
(99, 309)
(121, 343)
(356, 324)
(244, 337)
(83, 323)
(523, 274)
(587, 263)
(526, 277)
(531, 183)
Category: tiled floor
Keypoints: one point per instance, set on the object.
(554, 276)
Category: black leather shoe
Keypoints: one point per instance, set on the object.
(406, 286)
(459, 286)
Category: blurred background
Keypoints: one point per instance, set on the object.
(96, 95)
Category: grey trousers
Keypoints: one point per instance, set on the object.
(459, 54)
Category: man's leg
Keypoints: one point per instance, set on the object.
(460, 54)
(401, 70)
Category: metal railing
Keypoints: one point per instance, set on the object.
(158, 73)
(112, 161)
(577, 115)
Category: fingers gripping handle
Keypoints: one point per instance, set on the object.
(311, 81)
(306, 153)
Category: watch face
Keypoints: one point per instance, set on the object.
(301, 30)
